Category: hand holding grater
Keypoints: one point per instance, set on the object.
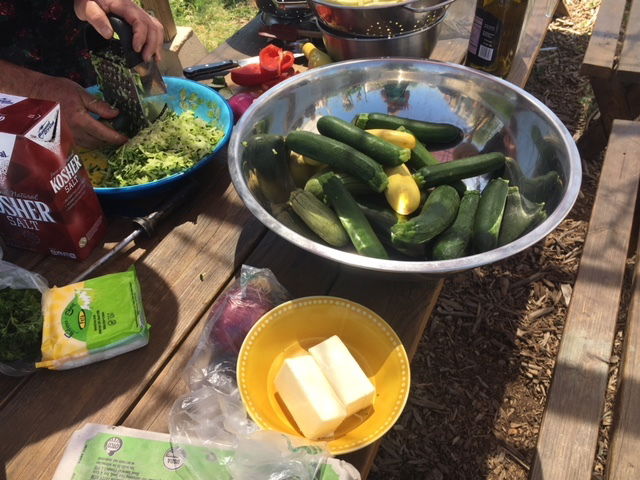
(125, 79)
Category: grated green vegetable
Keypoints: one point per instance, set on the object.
(171, 144)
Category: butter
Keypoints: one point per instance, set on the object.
(308, 396)
(351, 384)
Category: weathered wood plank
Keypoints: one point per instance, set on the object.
(162, 11)
(624, 463)
(569, 430)
(600, 55)
(533, 33)
(628, 70)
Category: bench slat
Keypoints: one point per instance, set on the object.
(568, 435)
(600, 55)
(624, 463)
(629, 65)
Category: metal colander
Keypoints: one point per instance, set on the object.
(380, 21)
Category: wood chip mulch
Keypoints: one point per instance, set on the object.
(482, 371)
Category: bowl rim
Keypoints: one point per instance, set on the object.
(228, 129)
(425, 267)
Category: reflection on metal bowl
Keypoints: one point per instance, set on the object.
(417, 44)
(377, 20)
(493, 114)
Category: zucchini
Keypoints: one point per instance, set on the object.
(421, 157)
(353, 184)
(434, 175)
(520, 216)
(339, 156)
(400, 138)
(489, 215)
(545, 188)
(382, 151)
(285, 215)
(318, 217)
(353, 220)
(454, 241)
(268, 155)
(402, 193)
(430, 133)
(382, 218)
(437, 214)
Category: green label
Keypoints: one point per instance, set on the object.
(105, 312)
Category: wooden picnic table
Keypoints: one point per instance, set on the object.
(182, 269)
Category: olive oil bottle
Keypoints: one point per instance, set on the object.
(495, 34)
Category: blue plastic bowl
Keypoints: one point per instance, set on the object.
(141, 199)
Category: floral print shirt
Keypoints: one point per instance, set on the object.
(45, 36)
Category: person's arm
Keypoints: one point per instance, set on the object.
(76, 103)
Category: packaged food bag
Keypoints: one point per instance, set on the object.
(70, 326)
(47, 202)
(92, 320)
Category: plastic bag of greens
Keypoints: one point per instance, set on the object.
(20, 319)
(212, 416)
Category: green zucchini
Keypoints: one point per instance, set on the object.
(449, 172)
(429, 133)
(339, 156)
(455, 240)
(319, 218)
(354, 185)
(285, 215)
(268, 156)
(437, 214)
(382, 151)
(520, 216)
(545, 188)
(382, 218)
(486, 227)
(353, 220)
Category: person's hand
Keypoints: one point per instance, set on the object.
(148, 32)
(75, 107)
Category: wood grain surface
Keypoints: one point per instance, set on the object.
(569, 431)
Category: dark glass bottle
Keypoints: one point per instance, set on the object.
(494, 35)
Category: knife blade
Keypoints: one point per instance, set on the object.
(209, 70)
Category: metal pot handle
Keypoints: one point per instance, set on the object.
(444, 5)
(289, 5)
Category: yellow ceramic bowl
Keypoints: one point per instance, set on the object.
(295, 326)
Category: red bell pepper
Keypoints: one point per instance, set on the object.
(274, 63)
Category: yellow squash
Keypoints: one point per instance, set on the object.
(398, 138)
(402, 193)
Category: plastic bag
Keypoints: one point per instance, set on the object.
(212, 413)
(15, 277)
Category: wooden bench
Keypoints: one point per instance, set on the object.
(569, 432)
(612, 62)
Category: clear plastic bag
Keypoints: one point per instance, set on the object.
(13, 276)
(212, 414)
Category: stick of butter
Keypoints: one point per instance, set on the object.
(351, 384)
(308, 396)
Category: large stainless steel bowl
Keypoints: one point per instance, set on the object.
(494, 114)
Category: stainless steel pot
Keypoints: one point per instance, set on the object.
(380, 20)
(417, 44)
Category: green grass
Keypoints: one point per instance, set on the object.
(213, 21)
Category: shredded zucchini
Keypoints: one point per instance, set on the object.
(171, 144)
